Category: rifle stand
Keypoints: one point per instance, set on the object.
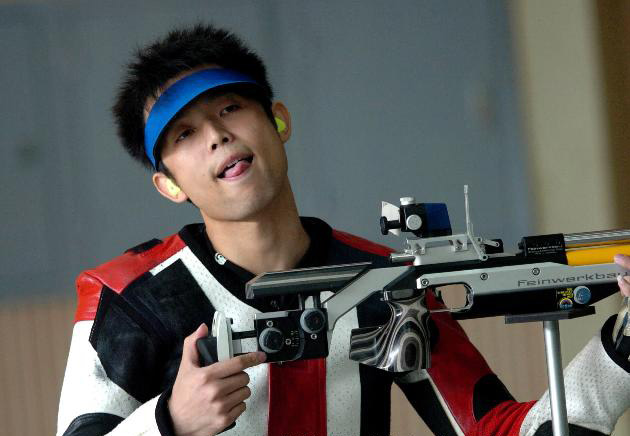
(560, 423)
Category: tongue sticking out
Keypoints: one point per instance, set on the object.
(238, 169)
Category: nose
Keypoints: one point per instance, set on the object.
(217, 135)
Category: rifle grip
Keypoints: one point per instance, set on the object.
(207, 348)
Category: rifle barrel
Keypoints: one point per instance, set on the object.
(606, 237)
(597, 255)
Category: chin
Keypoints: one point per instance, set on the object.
(252, 202)
(245, 209)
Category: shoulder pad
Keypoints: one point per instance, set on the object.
(361, 244)
(120, 272)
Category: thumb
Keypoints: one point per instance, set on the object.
(190, 355)
(622, 260)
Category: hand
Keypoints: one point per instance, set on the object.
(624, 282)
(205, 400)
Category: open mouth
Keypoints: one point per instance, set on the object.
(236, 167)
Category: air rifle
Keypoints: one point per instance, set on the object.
(551, 277)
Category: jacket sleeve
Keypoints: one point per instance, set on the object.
(105, 388)
(597, 387)
(92, 404)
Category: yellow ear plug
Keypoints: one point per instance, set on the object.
(282, 126)
(172, 188)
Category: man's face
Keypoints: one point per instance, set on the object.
(226, 156)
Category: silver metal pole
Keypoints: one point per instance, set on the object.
(571, 239)
(557, 398)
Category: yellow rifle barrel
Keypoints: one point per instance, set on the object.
(596, 255)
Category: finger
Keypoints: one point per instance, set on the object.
(624, 285)
(190, 355)
(231, 383)
(235, 398)
(236, 364)
(235, 412)
(622, 260)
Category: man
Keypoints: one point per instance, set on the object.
(196, 108)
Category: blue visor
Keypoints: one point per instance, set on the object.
(178, 95)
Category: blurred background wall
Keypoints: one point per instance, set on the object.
(521, 100)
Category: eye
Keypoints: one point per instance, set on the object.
(229, 109)
(184, 134)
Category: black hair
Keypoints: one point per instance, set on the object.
(180, 50)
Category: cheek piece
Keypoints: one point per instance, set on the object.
(180, 94)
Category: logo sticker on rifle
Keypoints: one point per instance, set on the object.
(565, 304)
(582, 295)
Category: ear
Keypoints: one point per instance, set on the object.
(168, 188)
(279, 110)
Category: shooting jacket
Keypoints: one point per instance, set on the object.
(134, 312)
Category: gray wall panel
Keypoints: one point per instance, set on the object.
(388, 99)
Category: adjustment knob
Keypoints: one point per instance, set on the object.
(313, 320)
(414, 222)
(387, 225)
(271, 340)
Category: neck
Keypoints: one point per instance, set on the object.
(272, 240)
